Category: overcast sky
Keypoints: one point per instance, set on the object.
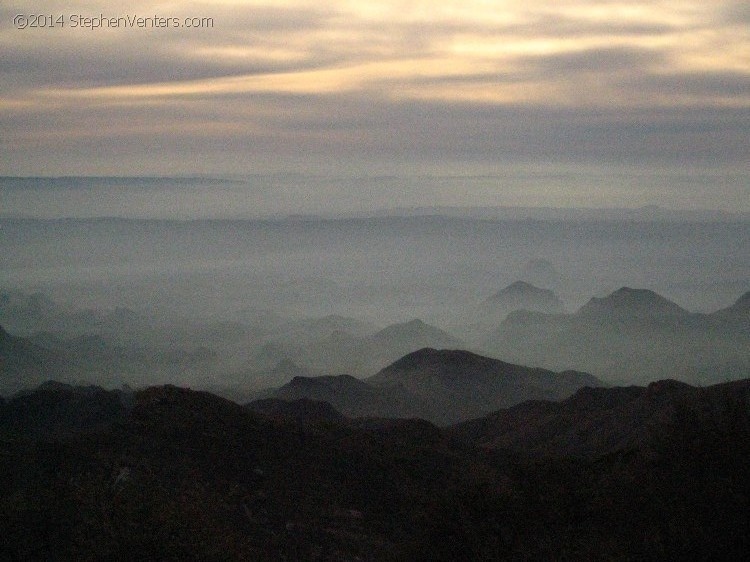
(374, 87)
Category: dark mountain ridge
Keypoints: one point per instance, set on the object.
(442, 386)
(180, 474)
(599, 421)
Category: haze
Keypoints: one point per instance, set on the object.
(373, 161)
(590, 90)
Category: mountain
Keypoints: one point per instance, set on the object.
(475, 323)
(543, 273)
(339, 352)
(627, 303)
(302, 411)
(25, 313)
(321, 327)
(737, 314)
(599, 421)
(56, 410)
(296, 334)
(343, 352)
(413, 334)
(23, 364)
(440, 386)
(516, 296)
(525, 296)
(630, 336)
(459, 385)
(179, 474)
(27, 362)
(353, 397)
(325, 388)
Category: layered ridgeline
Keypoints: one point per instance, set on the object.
(168, 473)
(263, 350)
(632, 335)
(601, 421)
(362, 355)
(23, 364)
(524, 296)
(477, 323)
(26, 362)
(443, 386)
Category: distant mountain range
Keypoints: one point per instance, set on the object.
(341, 352)
(23, 364)
(632, 335)
(629, 336)
(644, 213)
(476, 323)
(442, 386)
(26, 362)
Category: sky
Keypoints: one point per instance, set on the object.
(460, 88)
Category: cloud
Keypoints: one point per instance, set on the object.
(722, 85)
(443, 81)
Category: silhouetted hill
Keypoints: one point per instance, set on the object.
(742, 305)
(55, 409)
(353, 397)
(298, 333)
(599, 421)
(413, 334)
(440, 386)
(337, 323)
(187, 475)
(27, 314)
(324, 388)
(302, 411)
(24, 313)
(460, 385)
(627, 303)
(339, 352)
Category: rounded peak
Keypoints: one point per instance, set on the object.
(667, 386)
(643, 302)
(429, 357)
(415, 326)
(302, 380)
(415, 323)
(522, 287)
(522, 295)
(629, 291)
(301, 410)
